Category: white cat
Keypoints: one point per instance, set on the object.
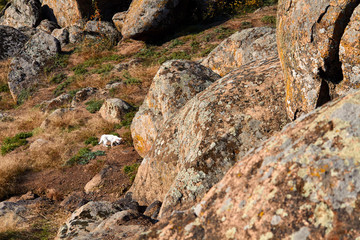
(109, 138)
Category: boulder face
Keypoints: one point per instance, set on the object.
(101, 29)
(198, 145)
(241, 48)
(176, 82)
(303, 183)
(25, 67)
(67, 12)
(319, 55)
(21, 13)
(114, 110)
(11, 41)
(149, 18)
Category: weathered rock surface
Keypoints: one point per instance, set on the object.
(82, 95)
(303, 183)
(67, 12)
(76, 34)
(28, 31)
(56, 102)
(198, 145)
(175, 83)
(319, 55)
(101, 29)
(55, 116)
(241, 48)
(96, 182)
(118, 20)
(62, 35)
(105, 220)
(25, 67)
(11, 41)
(114, 110)
(21, 13)
(149, 18)
(47, 26)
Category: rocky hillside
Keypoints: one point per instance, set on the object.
(239, 119)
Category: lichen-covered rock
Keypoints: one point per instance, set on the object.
(76, 34)
(67, 12)
(175, 83)
(199, 144)
(86, 219)
(149, 18)
(101, 29)
(21, 13)
(28, 31)
(104, 220)
(114, 110)
(11, 41)
(47, 26)
(82, 95)
(318, 48)
(118, 20)
(62, 35)
(241, 48)
(25, 67)
(56, 102)
(302, 183)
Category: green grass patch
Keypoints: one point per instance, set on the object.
(11, 143)
(92, 140)
(60, 89)
(176, 42)
(59, 61)
(83, 157)
(79, 69)
(269, 19)
(182, 55)
(103, 69)
(208, 50)
(23, 96)
(94, 106)
(130, 80)
(58, 78)
(131, 170)
(223, 32)
(4, 87)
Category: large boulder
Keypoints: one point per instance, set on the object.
(11, 42)
(176, 82)
(47, 26)
(200, 143)
(118, 20)
(115, 109)
(150, 18)
(26, 66)
(241, 48)
(318, 55)
(62, 35)
(303, 183)
(67, 12)
(101, 29)
(104, 220)
(21, 13)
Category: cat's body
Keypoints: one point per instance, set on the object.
(109, 138)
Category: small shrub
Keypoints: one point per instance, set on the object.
(223, 32)
(58, 78)
(207, 37)
(92, 140)
(83, 157)
(246, 24)
(79, 69)
(175, 43)
(205, 52)
(103, 69)
(175, 55)
(94, 106)
(4, 87)
(129, 80)
(23, 96)
(127, 119)
(269, 19)
(59, 61)
(195, 45)
(128, 139)
(11, 143)
(131, 170)
(61, 87)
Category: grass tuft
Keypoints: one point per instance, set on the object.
(11, 143)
